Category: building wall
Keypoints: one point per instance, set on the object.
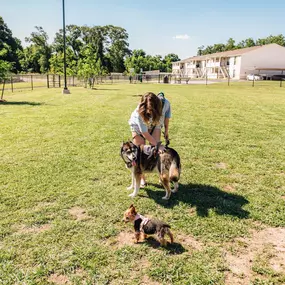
(234, 67)
(270, 56)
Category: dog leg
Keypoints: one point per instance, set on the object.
(165, 182)
(137, 179)
(161, 239)
(169, 233)
(137, 237)
(132, 185)
(175, 189)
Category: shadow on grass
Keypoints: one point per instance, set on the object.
(106, 89)
(204, 198)
(171, 248)
(21, 103)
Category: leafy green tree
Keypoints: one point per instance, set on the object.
(11, 45)
(200, 50)
(136, 60)
(230, 45)
(29, 59)
(38, 61)
(279, 39)
(168, 59)
(219, 48)
(249, 42)
(5, 66)
(116, 46)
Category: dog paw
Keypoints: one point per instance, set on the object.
(174, 190)
(130, 187)
(165, 197)
(132, 195)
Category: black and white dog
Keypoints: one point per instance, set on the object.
(147, 159)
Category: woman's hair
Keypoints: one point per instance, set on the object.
(150, 108)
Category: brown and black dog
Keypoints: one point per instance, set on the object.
(139, 161)
(147, 226)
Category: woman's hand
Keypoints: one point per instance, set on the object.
(161, 149)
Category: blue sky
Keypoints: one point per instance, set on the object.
(157, 26)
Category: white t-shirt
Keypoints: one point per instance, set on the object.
(137, 123)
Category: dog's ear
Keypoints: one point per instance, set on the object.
(133, 209)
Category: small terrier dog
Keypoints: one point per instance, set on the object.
(147, 226)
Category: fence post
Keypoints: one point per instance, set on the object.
(47, 81)
(253, 81)
(59, 80)
(228, 80)
(32, 82)
(73, 80)
(12, 84)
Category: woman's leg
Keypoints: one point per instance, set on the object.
(137, 139)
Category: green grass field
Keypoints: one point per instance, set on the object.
(63, 188)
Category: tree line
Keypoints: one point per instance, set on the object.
(249, 42)
(90, 51)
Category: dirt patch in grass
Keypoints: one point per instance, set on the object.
(221, 165)
(58, 279)
(240, 263)
(43, 205)
(125, 238)
(78, 213)
(229, 188)
(188, 241)
(26, 230)
(80, 272)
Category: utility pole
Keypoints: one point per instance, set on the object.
(65, 89)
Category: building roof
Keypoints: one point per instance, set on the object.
(228, 53)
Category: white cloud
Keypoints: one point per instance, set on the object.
(181, 37)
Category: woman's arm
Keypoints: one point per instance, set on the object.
(150, 138)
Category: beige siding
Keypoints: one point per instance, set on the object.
(269, 56)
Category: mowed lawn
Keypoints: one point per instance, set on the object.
(63, 188)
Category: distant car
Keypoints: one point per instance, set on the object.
(254, 77)
(278, 77)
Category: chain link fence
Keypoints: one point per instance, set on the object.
(30, 82)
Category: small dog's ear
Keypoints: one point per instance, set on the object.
(132, 206)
